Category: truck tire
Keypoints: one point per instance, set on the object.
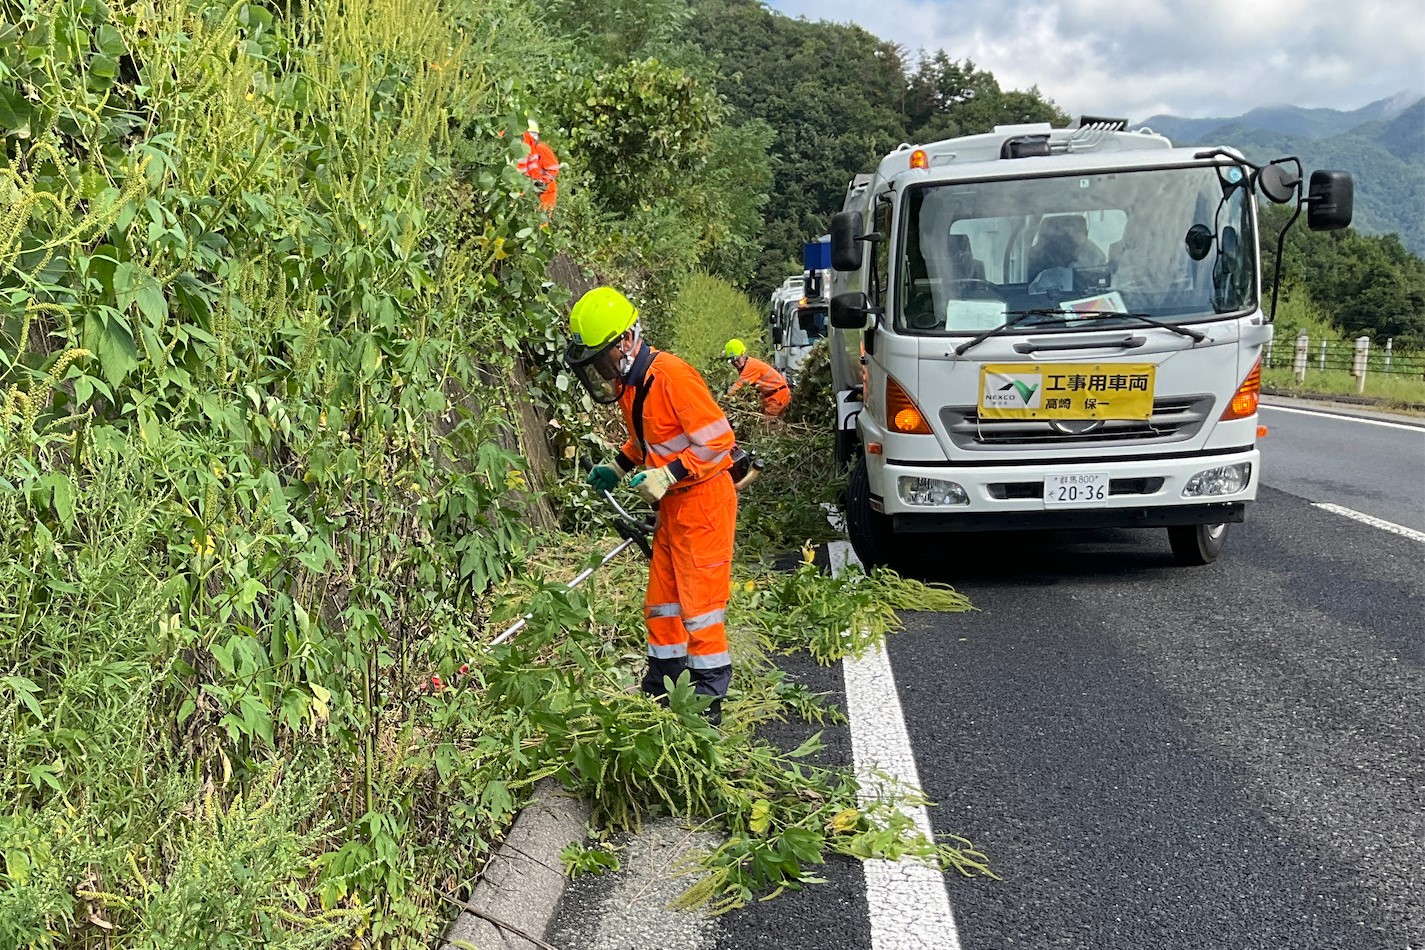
(1197, 544)
(870, 531)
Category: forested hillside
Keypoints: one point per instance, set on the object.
(1382, 145)
(837, 98)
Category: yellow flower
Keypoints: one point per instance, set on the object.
(750, 586)
(204, 546)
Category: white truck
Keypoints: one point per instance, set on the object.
(789, 341)
(1043, 328)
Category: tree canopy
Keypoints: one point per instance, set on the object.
(837, 98)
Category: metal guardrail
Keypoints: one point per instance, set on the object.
(1357, 357)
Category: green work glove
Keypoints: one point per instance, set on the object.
(605, 477)
(651, 484)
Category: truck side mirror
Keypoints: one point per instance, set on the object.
(849, 311)
(1330, 199)
(1278, 182)
(846, 240)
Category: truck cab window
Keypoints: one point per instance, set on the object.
(973, 252)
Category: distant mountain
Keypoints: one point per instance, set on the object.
(1381, 144)
(1288, 120)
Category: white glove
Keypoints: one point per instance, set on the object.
(653, 484)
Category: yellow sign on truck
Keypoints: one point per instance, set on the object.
(1066, 391)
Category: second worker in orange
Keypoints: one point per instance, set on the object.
(770, 384)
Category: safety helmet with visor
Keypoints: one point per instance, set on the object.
(599, 321)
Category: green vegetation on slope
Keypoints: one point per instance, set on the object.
(273, 309)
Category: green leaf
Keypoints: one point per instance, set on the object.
(110, 41)
(105, 67)
(63, 498)
(45, 773)
(114, 345)
(134, 284)
(15, 113)
(25, 690)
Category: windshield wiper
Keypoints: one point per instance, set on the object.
(1017, 317)
(1197, 335)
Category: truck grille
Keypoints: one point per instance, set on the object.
(1174, 419)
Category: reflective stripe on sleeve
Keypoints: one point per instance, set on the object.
(707, 454)
(693, 624)
(671, 651)
(710, 431)
(709, 661)
(672, 447)
(662, 610)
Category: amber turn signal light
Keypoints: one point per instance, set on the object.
(901, 412)
(1248, 395)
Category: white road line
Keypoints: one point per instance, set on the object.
(1337, 415)
(1373, 521)
(907, 901)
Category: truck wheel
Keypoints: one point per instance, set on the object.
(870, 531)
(1197, 544)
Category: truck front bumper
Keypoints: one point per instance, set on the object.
(1142, 493)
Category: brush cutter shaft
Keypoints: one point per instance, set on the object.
(583, 575)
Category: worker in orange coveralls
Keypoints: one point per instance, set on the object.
(685, 443)
(542, 166)
(770, 384)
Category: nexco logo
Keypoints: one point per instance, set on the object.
(1013, 392)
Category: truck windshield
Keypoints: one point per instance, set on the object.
(1172, 244)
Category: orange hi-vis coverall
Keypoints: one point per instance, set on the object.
(676, 423)
(542, 167)
(770, 383)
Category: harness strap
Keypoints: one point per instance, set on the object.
(642, 382)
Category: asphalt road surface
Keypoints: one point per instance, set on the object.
(1373, 465)
(1230, 756)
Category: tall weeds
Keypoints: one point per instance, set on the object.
(264, 279)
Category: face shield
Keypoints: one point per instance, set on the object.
(602, 371)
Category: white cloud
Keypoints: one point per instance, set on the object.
(1139, 57)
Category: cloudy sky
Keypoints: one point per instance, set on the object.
(1137, 58)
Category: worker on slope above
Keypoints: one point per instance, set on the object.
(678, 432)
(770, 384)
(542, 166)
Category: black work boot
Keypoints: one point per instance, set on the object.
(657, 669)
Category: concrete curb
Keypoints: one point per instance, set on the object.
(524, 881)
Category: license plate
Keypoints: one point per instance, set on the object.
(1078, 490)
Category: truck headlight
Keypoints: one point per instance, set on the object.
(1223, 480)
(931, 492)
